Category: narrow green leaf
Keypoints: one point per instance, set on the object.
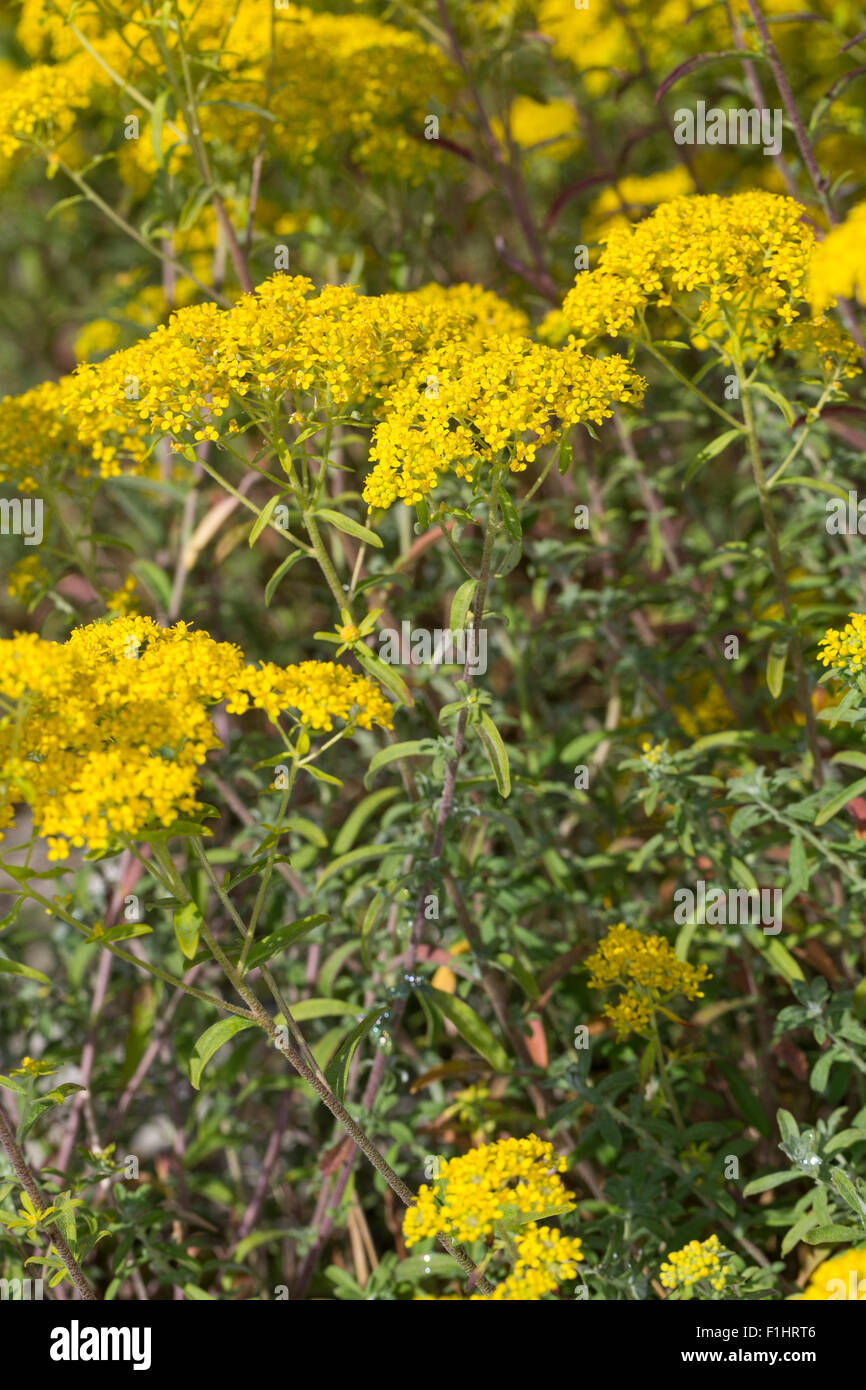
(710, 451)
(350, 527)
(12, 967)
(187, 925)
(411, 748)
(461, 604)
(835, 804)
(497, 753)
(471, 1028)
(263, 518)
(211, 1040)
(280, 573)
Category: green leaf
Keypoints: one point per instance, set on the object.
(497, 753)
(778, 400)
(852, 759)
(798, 866)
(818, 484)
(264, 517)
(337, 1072)
(360, 815)
(770, 1180)
(775, 953)
(848, 1192)
(471, 1028)
(844, 1139)
(211, 1040)
(509, 514)
(411, 748)
(193, 206)
(155, 580)
(461, 604)
(777, 658)
(357, 856)
(280, 573)
(835, 804)
(12, 967)
(715, 447)
(788, 1127)
(350, 527)
(278, 940)
(381, 671)
(832, 1235)
(306, 1009)
(187, 925)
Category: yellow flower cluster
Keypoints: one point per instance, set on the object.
(509, 1181)
(545, 1259)
(841, 1277)
(285, 339)
(506, 394)
(26, 577)
(647, 970)
(348, 83)
(549, 125)
(698, 1260)
(746, 250)
(826, 340)
(844, 649)
(37, 437)
(40, 104)
(104, 734)
(839, 262)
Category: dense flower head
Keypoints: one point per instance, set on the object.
(545, 1259)
(105, 732)
(549, 125)
(40, 104)
(826, 341)
(284, 341)
(745, 251)
(844, 649)
(349, 82)
(38, 436)
(511, 1181)
(843, 1276)
(508, 394)
(647, 970)
(839, 262)
(698, 1260)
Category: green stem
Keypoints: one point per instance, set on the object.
(664, 1077)
(782, 590)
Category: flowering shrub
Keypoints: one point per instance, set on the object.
(432, 675)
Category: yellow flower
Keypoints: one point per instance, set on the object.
(844, 649)
(545, 1258)
(749, 253)
(113, 724)
(841, 1277)
(552, 125)
(839, 263)
(501, 1182)
(698, 1260)
(647, 970)
(504, 394)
